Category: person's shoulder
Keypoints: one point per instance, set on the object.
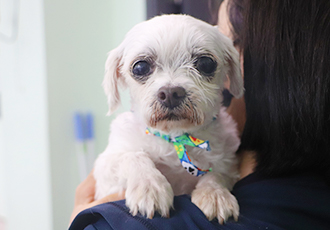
(300, 201)
(185, 215)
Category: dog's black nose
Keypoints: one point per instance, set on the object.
(171, 96)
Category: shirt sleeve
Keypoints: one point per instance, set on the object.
(185, 215)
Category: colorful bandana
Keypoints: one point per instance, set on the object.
(179, 143)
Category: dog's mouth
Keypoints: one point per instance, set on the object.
(169, 116)
(186, 113)
(173, 117)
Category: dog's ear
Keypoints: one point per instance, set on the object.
(112, 78)
(234, 72)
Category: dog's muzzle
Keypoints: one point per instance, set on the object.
(171, 97)
(174, 104)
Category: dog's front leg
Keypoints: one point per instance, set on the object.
(214, 199)
(147, 189)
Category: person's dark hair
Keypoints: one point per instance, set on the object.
(287, 82)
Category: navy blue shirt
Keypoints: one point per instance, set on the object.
(295, 202)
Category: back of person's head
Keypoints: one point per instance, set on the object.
(286, 47)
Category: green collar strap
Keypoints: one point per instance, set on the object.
(179, 143)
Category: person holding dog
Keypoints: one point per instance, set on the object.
(284, 144)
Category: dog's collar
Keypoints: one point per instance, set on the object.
(179, 143)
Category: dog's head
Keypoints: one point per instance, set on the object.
(174, 66)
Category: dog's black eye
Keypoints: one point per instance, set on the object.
(141, 68)
(206, 65)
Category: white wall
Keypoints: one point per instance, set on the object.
(24, 151)
(54, 69)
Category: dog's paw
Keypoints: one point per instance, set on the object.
(216, 202)
(148, 195)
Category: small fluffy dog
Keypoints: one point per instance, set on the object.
(176, 139)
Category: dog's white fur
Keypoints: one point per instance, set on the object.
(147, 167)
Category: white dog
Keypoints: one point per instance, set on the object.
(174, 67)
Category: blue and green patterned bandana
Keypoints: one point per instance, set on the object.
(179, 143)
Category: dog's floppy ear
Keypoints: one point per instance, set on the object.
(112, 78)
(234, 72)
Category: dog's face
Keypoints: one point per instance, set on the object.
(174, 66)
